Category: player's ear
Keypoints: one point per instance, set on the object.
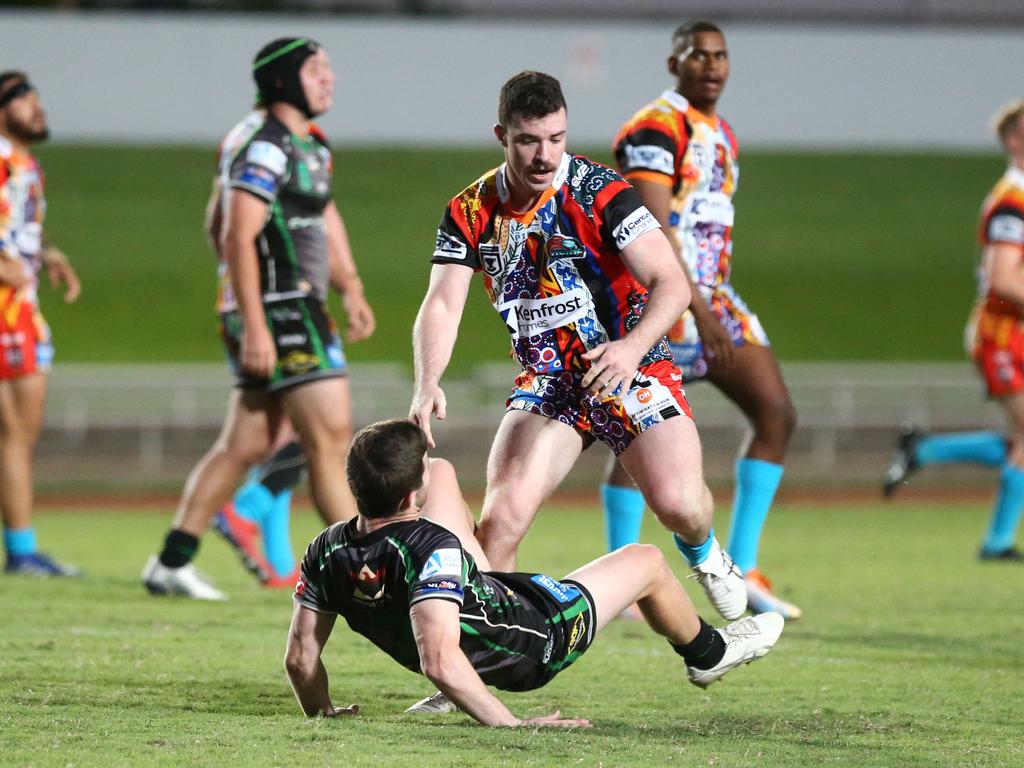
(501, 134)
(673, 65)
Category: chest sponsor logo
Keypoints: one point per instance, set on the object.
(563, 593)
(449, 246)
(712, 207)
(270, 156)
(560, 247)
(369, 584)
(443, 562)
(634, 225)
(530, 317)
(648, 157)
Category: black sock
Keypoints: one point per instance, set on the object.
(705, 650)
(179, 548)
(283, 470)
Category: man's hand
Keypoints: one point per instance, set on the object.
(718, 346)
(427, 400)
(555, 720)
(612, 367)
(259, 355)
(61, 272)
(350, 710)
(361, 322)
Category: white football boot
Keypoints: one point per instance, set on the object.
(723, 582)
(187, 581)
(435, 704)
(745, 640)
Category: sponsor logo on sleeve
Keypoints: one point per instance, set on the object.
(449, 247)
(270, 156)
(258, 178)
(1006, 229)
(634, 225)
(647, 157)
(563, 593)
(530, 317)
(443, 562)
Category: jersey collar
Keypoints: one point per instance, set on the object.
(6, 148)
(677, 100)
(1016, 176)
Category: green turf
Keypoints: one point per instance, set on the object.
(909, 655)
(844, 256)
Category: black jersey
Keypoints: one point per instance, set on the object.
(518, 630)
(293, 175)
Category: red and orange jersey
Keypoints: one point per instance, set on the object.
(669, 142)
(554, 273)
(22, 209)
(1001, 222)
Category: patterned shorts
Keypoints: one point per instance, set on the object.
(997, 347)
(655, 395)
(735, 316)
(25, 345)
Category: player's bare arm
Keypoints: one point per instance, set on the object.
(213, 217)
(1004, 273)
(12, 273)
(246, 215)
(433, 339)
(714, 337)
(651, 260)
(306, 639)
(435, 625)
(361, 322)
(60, 272)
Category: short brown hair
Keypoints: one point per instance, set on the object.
(682, 38)
(385, 464)
(1005, 120)
(531, 95)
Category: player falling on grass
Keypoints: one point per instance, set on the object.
(257, 520)
(995, 335)
(26, 350)
(280, 240)
(682, 158)
(408, 575)
(587, 285)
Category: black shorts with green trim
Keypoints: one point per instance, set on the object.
(307, 341)
(569, 611)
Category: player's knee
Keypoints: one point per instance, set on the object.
(441, 468)
(777, 419)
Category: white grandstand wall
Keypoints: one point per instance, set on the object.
(185, 78)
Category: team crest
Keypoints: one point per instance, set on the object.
(369, 584)
(490, 258)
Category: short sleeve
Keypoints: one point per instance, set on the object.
(1006, 226)
(261, 169)
(308, 592)
(452, 245)
(646, 150)
(624, 218)
(442, 575)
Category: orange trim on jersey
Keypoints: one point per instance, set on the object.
(696, 115)
(526, 217)
(662, 179)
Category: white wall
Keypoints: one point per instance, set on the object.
(155, 78)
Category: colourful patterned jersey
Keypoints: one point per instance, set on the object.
(22, 208)
(554, 273)
(292, 175)
(1002, 221)
(669, 142)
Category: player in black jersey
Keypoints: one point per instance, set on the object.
(407, 574)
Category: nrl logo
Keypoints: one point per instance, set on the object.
(369, 584)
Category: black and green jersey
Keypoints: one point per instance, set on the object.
(292, 175)
(518, 630)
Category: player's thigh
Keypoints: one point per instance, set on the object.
(616, 580)
(665, 461)
(250, 425)
(442, 502)
(320, 411)
(22, 405)
(529, 457)
(754, 383)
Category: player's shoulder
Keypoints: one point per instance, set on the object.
(1007, 196)
(587, 178)
(660, 113)
(475, 204)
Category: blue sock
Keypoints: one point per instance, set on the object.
(276, 528)
(694, 555)
(253, 501)
(987, 448)
(1002, 528)
(20, 541)
(623, 515)
(756, 483)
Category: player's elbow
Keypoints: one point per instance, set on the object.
(299, 662)
(436, 664)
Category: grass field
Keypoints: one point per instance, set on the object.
(844, 256)
(909, 655)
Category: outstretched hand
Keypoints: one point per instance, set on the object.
(426, 401)
(555, 720)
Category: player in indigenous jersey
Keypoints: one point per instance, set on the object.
(284, 244)
(995, 339)
(408, 575)
(256, 521)
(25, 347)
(564, 248)
(682, 157)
